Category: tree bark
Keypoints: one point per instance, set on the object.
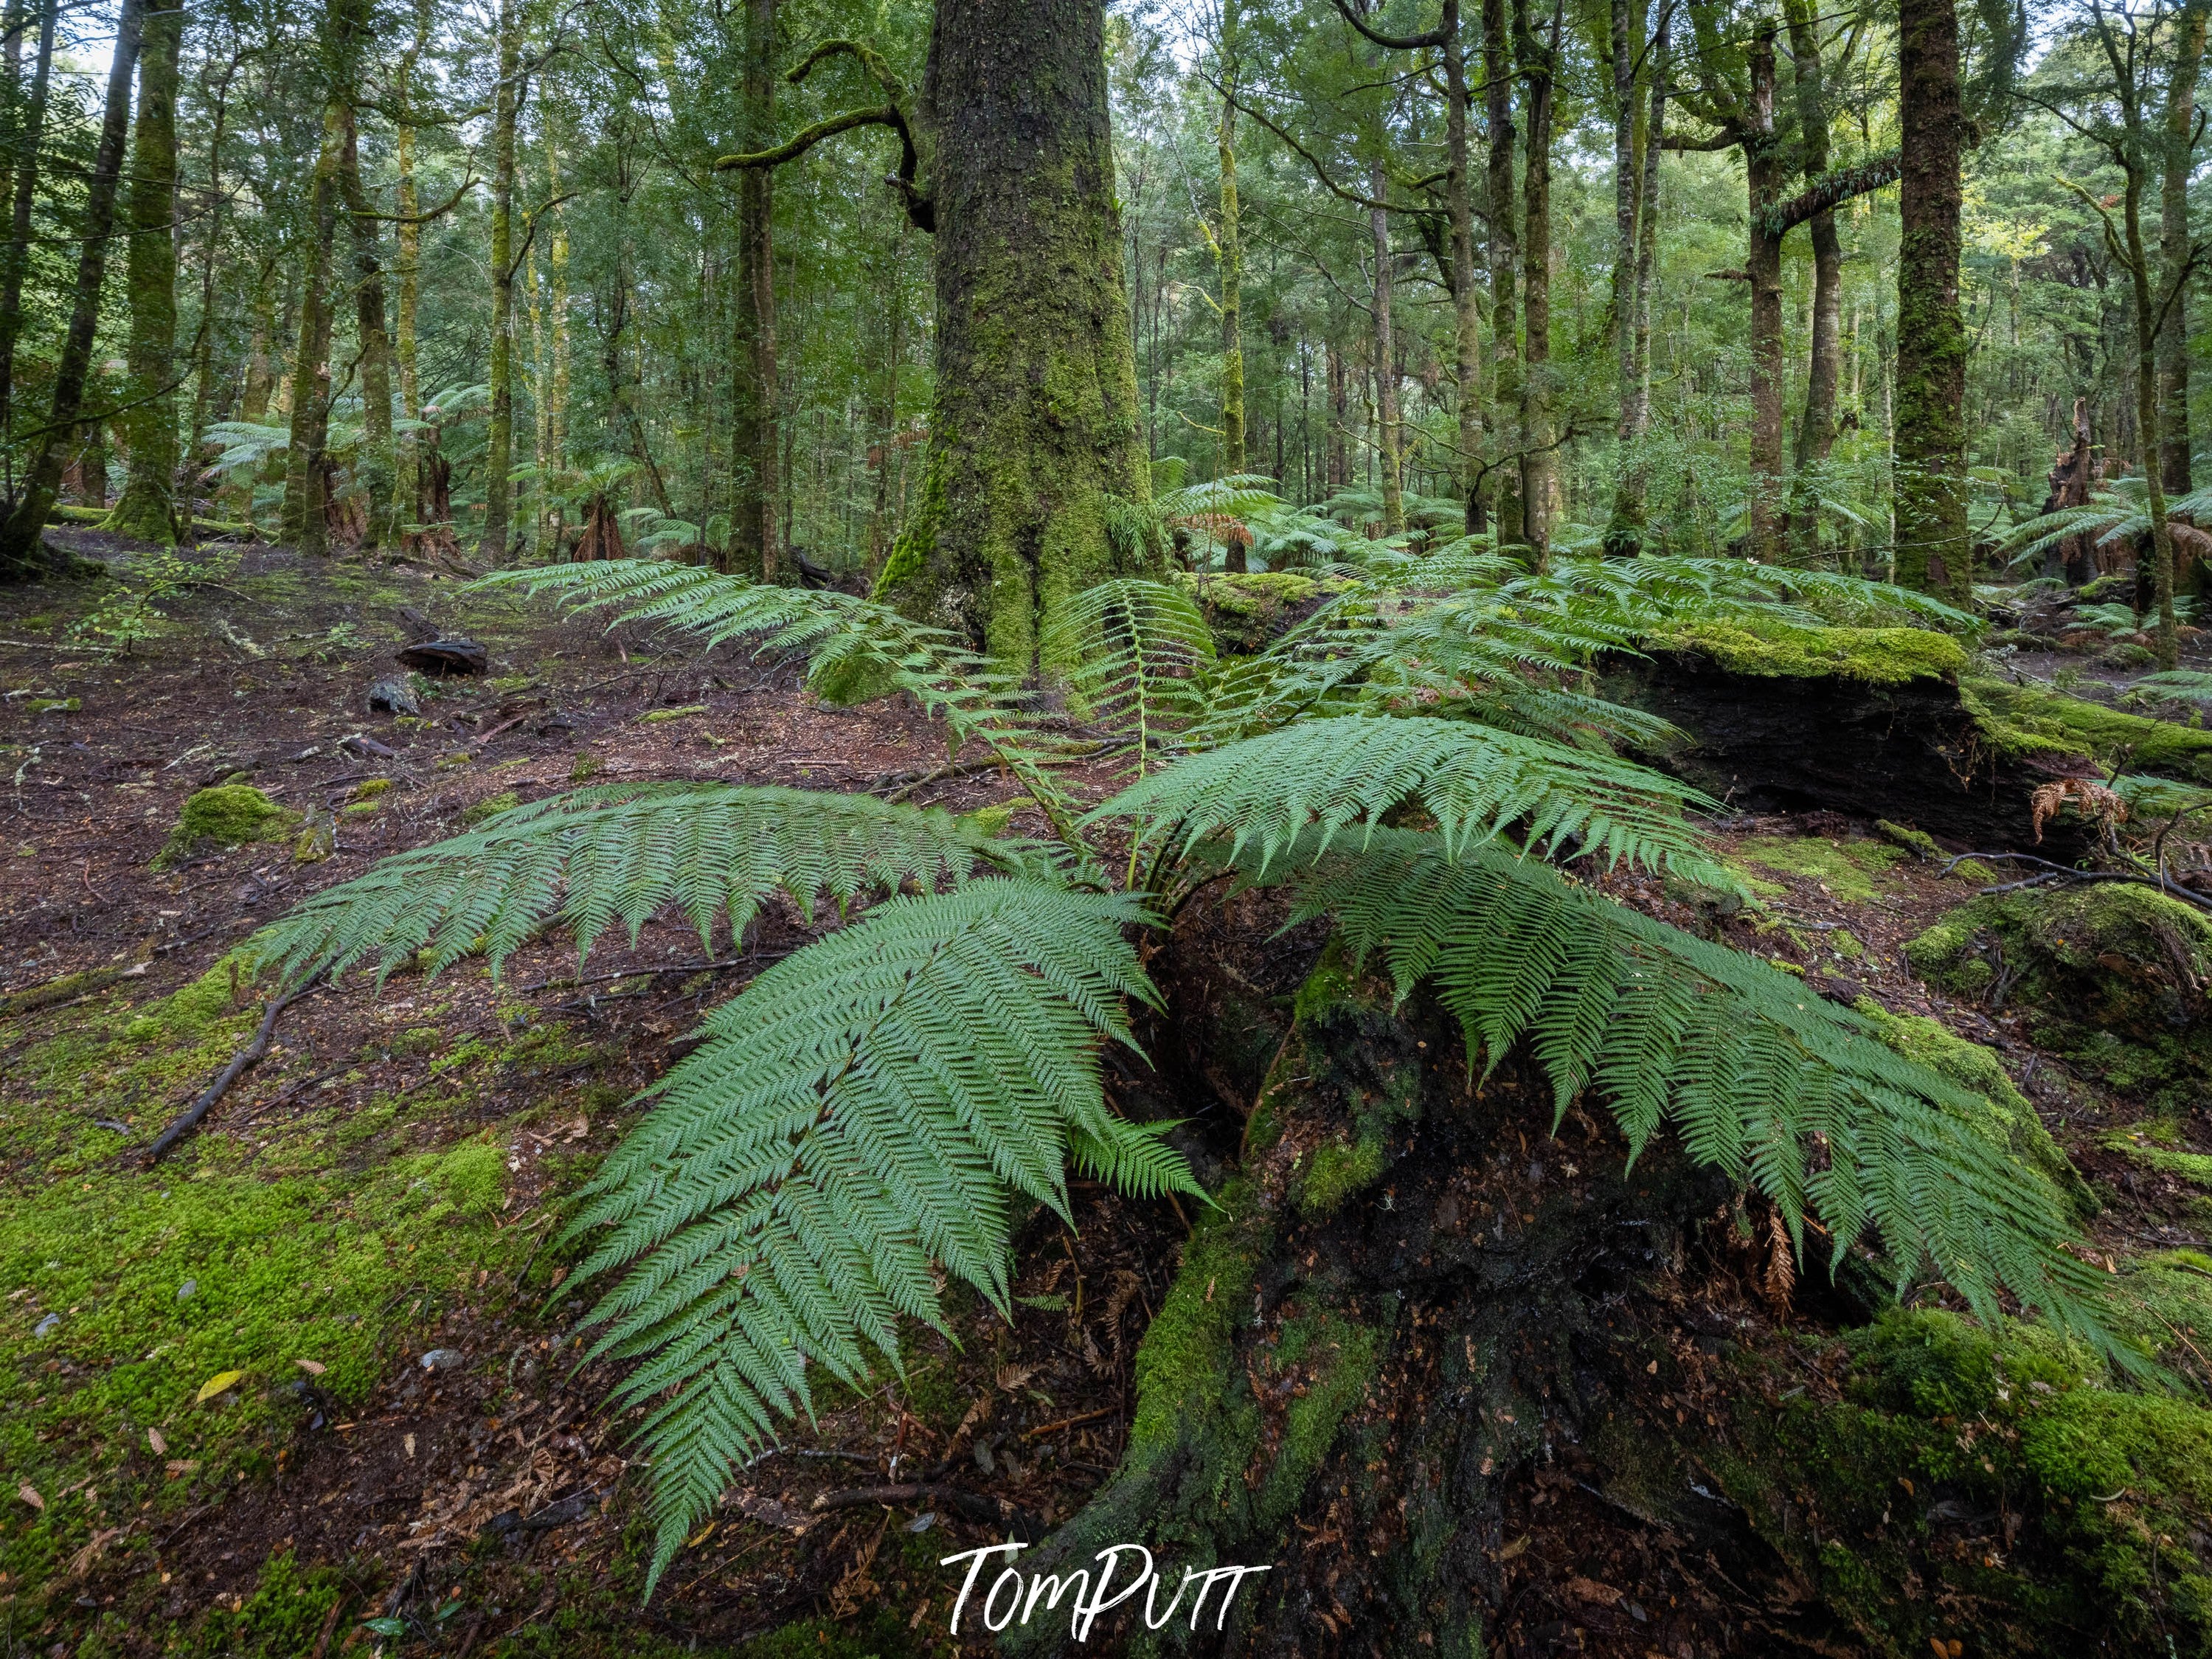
(1630, 501)
(1505, 256)
(203, 395)
(1231, 239)
(1538, 50)
(378, 468)
(756, 437)
(1336, 463)
(1036, 420)
(499, 441)
(2173, 247)
(1933, 554)
(1624, 536)
(147, 509)
(411, 267)
(28, 137)
(305, 482)
(20, 542)
(1764, 171)
(1816, 431)
(1389, 434)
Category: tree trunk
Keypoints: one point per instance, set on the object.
(499, 438)
(1358, 1380)
(1389, 434)
(2173, 247)
(1624, 536)
(2070, 478)
(203, 395)
(30, 133)
(147, 509)
(1630, 504)
(1505, 324)
(1232, 273)
(882, 402)
(20, 559)
(1539, 51)
(1036, 419)
(1336, 463)
(410, 269)
(756, 458)
(1933, 554)
(305, 480)
(1466, 298)
(1764, 172)
(2145, 321)
(1816, 431)
(377, 470)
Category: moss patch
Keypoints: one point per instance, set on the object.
(2023, 721)
(1849, 870)
(228, 815)
(1247, 613)
(1879, 656)
(2115, 975)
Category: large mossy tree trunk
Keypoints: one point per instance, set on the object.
(1504, 261)
(2179, 161)
(147, 509)
(1036, 419)
(26, 134)
(499, 436)
(1933, 553)
(20, 539)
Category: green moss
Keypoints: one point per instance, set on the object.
(2144, 1148)
(67, 989)
(2114, 975)
(1880, 656)
(292, 1250)
(369, 788)
(2025, 721)
(1337, 1170)
(1850, 870)
(660, 716)
(1247, 613)
(229, 815)
(881, 1635)
(1918, 842)
(1875, 1495)
(280, 1621)
(491, 806)
(1344, 1355)
(1182, 1365)
(2010, 1118)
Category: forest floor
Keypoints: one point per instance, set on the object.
(306, 1371)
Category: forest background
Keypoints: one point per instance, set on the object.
(373, 257)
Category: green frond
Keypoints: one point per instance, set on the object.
(1473, 782)
(618, 854)
(846, 640)
(1131, 650)
(854, 1120)
(2185, 684)
(1757, 1074)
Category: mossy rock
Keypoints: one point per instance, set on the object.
(2023, 721)
(228, 815)
(2010, 1119)
(1878, 656)
(2114, 975)
(1249, 612)
(1994, 1487)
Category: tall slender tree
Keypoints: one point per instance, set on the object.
(148, 506)
(2178, 161)
(30, 126)
(755, 431)
(499, 440)
(20, 539)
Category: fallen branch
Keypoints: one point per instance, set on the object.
(991, 1512)
(2063, 872)
(239, 1063)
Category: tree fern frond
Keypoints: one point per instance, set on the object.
(1473, 782)
(1760, 1075)
(618, 854)
(857, 1116)
(847, 640)
(1131, 649)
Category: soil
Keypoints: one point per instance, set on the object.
(490, 1507)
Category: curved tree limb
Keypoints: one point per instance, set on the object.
(792, 149)
(892, 113)
(1830, 190)
(1435, 37)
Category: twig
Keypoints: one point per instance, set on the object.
(2160, 883)
(243, 1059)
(956, 770)
(635, 973)
(991, 1512)
(329, 1625)
(1042, 1430)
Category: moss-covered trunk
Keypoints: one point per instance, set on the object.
(1504, 258)
(1036, 418)
(755, 457)
(1388, 431)
(1403, 1308)
(377, 470)
(1816, 429)
(21, 540)
(1764, 171)
(1538, 49)
(1933, 553)
(2173, 245)
(23, 194)
(499, 437)
(147, 509)
(306, 482)
(1231, 241)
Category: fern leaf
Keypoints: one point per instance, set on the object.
(1760, 1076)
(1352, 769)
(859, 1114)
(618, 854)
(1132, 650)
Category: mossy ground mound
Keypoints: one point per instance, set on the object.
(1993, 1489)
(2113, 975)
(1877, 656)
(2023, 721)
(1249, 612)
(228, 815)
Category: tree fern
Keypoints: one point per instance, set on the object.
(1473, 782)
(1132, 650)
(619, 852)
(1760, 1077)
(846, 640)
(859, 1114)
